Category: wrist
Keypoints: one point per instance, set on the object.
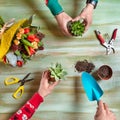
(90, 7)
(92, 2)
(41, 94)
(54, 7)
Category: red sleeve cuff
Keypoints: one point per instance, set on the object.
(46, 2)
(36, 100)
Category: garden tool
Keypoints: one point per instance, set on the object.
(14, 80)
(91, 87)
(109, 46)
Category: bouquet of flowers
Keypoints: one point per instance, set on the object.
(19, 41)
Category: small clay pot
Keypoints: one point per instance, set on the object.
(51, 79)
(104, 72)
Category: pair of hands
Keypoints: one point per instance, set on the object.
(45, 88)
(86, 14)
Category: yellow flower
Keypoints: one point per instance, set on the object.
(35, 45)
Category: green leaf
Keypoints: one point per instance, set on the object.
(17, 52)
(40, 44)
(28, 22)
(1, 21)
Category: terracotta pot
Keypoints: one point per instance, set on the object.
(104, 72)
(51, 79)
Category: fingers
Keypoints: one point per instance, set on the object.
(46, 74)
(52, 85)
(65, 32)
(106, 107)
(101, 105)
(45, 77)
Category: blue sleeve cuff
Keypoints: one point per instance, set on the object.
(54, 7)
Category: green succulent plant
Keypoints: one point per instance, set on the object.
(57, 72)
(76, 28)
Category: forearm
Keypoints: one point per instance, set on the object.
(28, 109)
(54, 6)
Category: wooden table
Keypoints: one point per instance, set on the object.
(68, 101)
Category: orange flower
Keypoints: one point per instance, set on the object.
(16, 42)
(19, 35)
(21, 30)
(35, 45)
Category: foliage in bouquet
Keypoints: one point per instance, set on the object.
(57, 72)
(26, 41)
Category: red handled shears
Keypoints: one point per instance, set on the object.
(109, 46)
(14, 80)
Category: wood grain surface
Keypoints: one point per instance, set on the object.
(68, 101)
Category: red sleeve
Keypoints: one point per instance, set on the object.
(28, 109)
(46, 2)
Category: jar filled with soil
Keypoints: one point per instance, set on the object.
(105, 72)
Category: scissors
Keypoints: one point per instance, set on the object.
(109, 46)
(14, 80)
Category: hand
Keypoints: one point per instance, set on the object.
(62, 20)
(86, 16)
(45, 87)
(103, 112)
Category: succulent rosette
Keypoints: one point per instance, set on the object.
(76, 28)
(57, 72)
(19, 41)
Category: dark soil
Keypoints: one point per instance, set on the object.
(84, 66)
(51, 79)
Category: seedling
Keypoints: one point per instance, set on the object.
(57, 72)
(76, 28)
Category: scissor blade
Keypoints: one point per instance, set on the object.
(29, 80)
(26, 76)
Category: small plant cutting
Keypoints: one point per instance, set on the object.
(76, 28)
(57, 72)
(19, 41)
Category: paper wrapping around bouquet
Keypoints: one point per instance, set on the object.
(7, 37)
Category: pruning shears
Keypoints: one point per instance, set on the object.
(14, 80)
(109, 46)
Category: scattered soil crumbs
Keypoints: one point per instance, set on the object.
(84, 66)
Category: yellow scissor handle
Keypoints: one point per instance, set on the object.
(19, 92)
(11, 80)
